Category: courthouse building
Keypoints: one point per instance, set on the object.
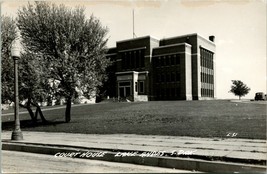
(176, 68)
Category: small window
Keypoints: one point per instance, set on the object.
(167, 77)
(177, 76)
(155, 62)
(159, 78)
(178, 59)
(172, 77)
(136, 87)
(142, 58)
(167, 61)
(172, 60)
(141, 87)
(162, 77)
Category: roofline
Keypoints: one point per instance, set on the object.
(143, 37)
(131, 72)
(174, 37)
(173, 45)
(112, 48)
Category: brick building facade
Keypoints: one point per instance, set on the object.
(177, 68)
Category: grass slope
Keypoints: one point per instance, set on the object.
(177, 118)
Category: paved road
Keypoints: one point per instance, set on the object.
(21, 162)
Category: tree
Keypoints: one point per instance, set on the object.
(238, 88)
(71, 47)
(33, 84)
(8, 34)
(29, 74)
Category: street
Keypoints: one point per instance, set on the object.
(21, 162)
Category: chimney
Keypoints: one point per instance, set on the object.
(212, 38)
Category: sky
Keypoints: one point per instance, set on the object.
(239, 27)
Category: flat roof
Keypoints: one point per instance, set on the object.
(173, 45)
(138, 38)
(186, 35)
(168, 38)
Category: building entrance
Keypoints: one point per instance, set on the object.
(124, 89)
(125, 92)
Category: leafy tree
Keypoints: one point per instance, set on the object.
(33, 85)
(8, 34)
(71, 47)
(238, 88)
(29, 73)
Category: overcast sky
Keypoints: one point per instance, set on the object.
(239, 28)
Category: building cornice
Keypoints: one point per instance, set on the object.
(132, 72)
(172, 45)
(138, 38)
(187, 35)
(133, 49)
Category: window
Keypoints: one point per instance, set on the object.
(172, 60)
(178, 91)
(132, 60)
(167, 92)
(141, 87)
(206, 58)
(137, 59)
(127, 63)
(123, 61)
(167, 77)
(178, 59)
(162, 77)
(167, 61)
(162, 61)
(177, 76)
(172, 77)
(136, 87)
(155, 61)
(172, 92)
(158, 78)
(142, 58)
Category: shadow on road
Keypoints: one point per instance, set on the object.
(9, 125)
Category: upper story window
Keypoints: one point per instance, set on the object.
(206, 58)
(177, 57)
(133, 59)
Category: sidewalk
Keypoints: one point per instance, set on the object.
(244, 154)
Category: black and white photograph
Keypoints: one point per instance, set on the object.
(133, 86)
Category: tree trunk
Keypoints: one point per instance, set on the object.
(239, 97)
(34, 119)
(29, 109)
(38, 110)
(68, 110)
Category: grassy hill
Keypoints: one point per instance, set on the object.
(179, 118)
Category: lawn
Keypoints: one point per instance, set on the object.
(178, 118)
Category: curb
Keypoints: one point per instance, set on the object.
(159, 161)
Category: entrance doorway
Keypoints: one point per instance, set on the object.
(124, 89)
